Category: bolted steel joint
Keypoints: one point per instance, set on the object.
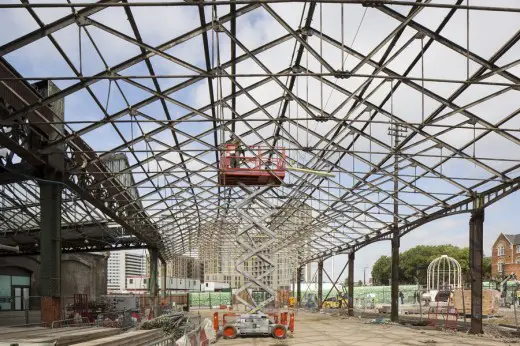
(306, 32)
(218, 71)
(342, 74)
(322, 119)
(83, 21)
(372, 3)
(217, 26)
(296, 69)
(419, 36)
(133, 112)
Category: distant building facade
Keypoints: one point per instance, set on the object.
(121, 265)
(505, 256)
(139, 284)
(185, 267)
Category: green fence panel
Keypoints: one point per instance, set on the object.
(209, 299)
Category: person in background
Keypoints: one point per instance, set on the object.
(401, 295)
(232, 144)
(238, 150)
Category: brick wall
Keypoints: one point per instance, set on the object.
(510, 257)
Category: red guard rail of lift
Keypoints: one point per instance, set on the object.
(266, 166)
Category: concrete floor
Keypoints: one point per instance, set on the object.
(319, 329)
(17, 318)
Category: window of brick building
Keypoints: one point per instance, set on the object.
(500, 267)
(517, 248)
(518, 260)
(501, 250)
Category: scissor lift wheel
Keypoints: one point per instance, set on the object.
(229, 332)
(279, 331)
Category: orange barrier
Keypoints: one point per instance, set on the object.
(283, 318)
(215, 322)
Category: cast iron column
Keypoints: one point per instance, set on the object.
(50, 207)
(50, 251)
(163, 279)
(152, 282)
(298, 286)
(476, 230)
(320, 284)
(351, 257)
(394, 313)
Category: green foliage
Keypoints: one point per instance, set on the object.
(486, 264)
(381, 270)
(414, 262)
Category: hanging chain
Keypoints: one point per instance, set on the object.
(80, 52)
(307, 91)
(342, 38)
(321, 56)
(108, 96)
(474, 141)
(467, 41)
(370, 140)
(441, 159)
(422, 78)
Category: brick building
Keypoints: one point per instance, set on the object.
(505, 255)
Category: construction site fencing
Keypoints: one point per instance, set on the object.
(211, 300)
(365, 296)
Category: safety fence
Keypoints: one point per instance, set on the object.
(211, 300)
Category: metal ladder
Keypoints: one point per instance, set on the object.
(256, 240)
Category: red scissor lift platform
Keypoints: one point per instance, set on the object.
(266, 167)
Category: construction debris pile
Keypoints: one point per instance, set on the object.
(123, 319)
(174, 325)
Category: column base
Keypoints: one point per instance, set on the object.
(50, 310)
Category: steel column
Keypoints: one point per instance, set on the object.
(476, 228)
(394, 314)
(152, 282)
(50, 251)
(351, 257)
(320, 284)
(163, 279)
(299, 286)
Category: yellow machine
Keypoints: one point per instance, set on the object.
(335, 303)
(292, 302)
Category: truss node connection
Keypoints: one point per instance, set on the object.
(142, 97)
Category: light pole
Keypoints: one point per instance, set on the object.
(364, 276)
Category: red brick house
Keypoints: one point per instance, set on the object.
(505, 255)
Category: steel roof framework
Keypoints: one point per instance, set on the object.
(172, 140)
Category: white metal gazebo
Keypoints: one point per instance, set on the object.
(444, 273)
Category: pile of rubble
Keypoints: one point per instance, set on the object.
(174, 325)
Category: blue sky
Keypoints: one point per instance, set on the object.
(258, 27)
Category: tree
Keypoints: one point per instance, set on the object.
(413, 264)
(360, 283)
(487, 268)
(381, 270)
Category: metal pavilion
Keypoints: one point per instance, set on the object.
(412, 106)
